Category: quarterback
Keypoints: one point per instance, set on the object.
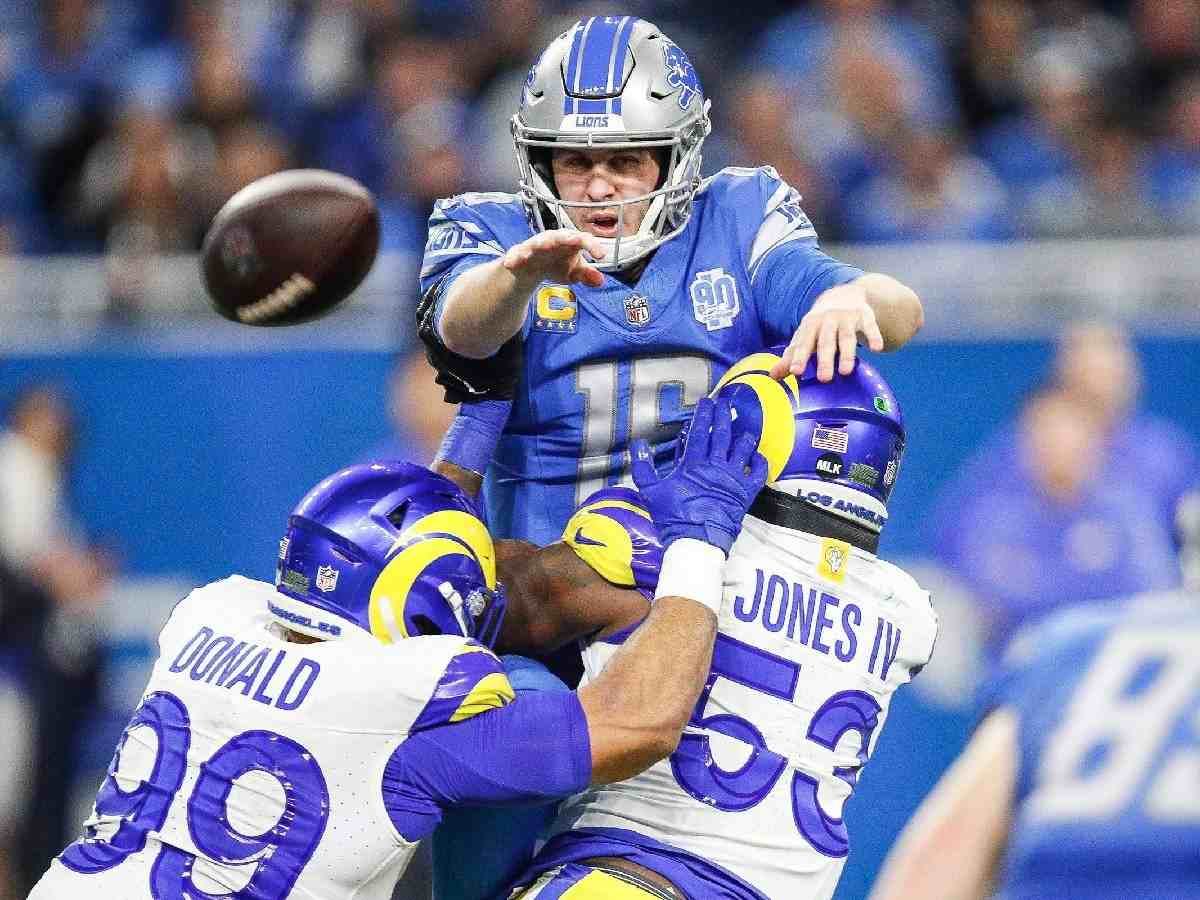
(299, 739)
(815, 634)
(627, 282)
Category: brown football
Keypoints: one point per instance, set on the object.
(289, 247)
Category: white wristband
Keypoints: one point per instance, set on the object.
(695, 570)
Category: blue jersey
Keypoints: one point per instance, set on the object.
(1108, 792)
(606, 365)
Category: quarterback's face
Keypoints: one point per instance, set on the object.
(596, 176)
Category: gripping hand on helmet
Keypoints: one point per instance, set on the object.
(709, 491)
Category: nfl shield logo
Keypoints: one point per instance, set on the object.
(637, 310)
(327, 577)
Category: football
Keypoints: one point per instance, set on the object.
(289, 247)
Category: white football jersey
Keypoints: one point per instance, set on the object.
(255, 764)
(814, 637)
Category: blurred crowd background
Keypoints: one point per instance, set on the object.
(124, 124)
(1047, 464)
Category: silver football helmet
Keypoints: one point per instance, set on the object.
(613, 82)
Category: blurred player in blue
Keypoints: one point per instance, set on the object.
(628, 283)
(1083, 782)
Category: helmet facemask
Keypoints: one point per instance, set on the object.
(650, 100)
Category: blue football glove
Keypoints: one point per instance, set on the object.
(713, 485)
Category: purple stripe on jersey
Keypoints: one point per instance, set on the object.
(462, 674)
(693, 876)
(620, 637)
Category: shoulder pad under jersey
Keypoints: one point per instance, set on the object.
(613, 533)
(473, 682)
(767, 209)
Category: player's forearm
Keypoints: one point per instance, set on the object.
(483, 308)
(935, 855)
(646, 694)
(897, 308)
(644, 697)
(469, 482)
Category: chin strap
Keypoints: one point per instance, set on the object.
(777, 508)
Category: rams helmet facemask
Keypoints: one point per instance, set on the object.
(610, 83)
(391, 550)
(836, 445)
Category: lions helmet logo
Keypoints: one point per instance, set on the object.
(680, 74)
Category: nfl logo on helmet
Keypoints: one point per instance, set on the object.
(327, 578)
(637, 309)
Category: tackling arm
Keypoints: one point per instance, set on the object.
(554, 597)
(953, 843)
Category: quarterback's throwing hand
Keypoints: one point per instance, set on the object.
(557, 256)
(713, 485)
(831, 329)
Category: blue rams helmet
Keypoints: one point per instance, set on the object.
(391, 549)
(834, 444)
(612, 83)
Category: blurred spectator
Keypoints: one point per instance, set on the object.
(57, 95)
(765, 126)
(52, 583)
(933, 190)
(417, 413)
(988, 66)
(1175, 164)
(17, 598)
(1108, 195)
(1043, 144)
(851, 135)
(800, 50)
(33, 454)
(1044, 526)
(1168, 47)
(1098, 367)
(1075, 501)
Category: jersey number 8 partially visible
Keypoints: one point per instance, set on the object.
(267, 862)
(697, 773)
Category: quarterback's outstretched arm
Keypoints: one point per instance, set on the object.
(950, 848)
(485, 306)
(882, 310)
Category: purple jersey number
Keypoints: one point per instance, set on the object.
(697, 773)
(143, 809)
(268, 863)
(277, 854)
